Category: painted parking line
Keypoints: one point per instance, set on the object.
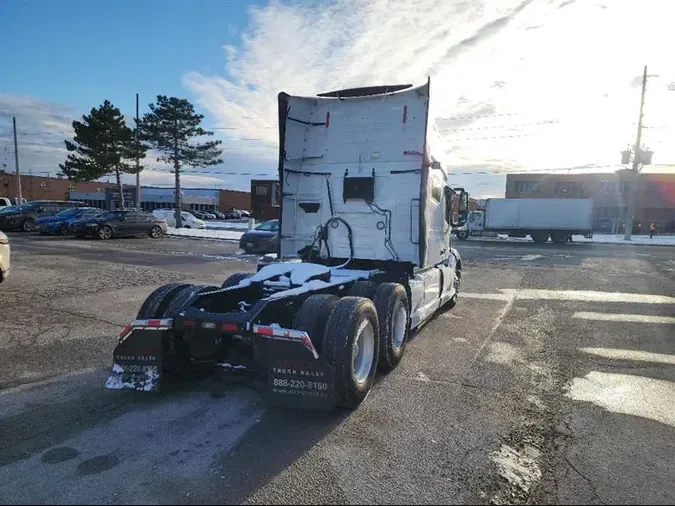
(637, 355)
(623, 317)
(508, 294)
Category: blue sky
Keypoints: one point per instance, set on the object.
(512, 89)
(82, 52)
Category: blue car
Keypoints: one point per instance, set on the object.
(60, 222)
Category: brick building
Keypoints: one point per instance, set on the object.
(103, 194)
(654, 201)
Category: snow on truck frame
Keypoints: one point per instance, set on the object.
(364, 258)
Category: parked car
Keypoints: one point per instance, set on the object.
(189, 220)
(22, 217)
(219, 215)
(6, 202)
(61, 221)
(4, 257)
(120, 223)
(262, 239)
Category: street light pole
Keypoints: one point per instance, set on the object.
(636, 165)
(16, 162)
(138, 164)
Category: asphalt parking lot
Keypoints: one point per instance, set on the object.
(552, 381)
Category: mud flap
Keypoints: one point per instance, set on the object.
(295, 379)
(137, 361)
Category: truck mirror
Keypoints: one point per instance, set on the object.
(463, 208)
(448, 193)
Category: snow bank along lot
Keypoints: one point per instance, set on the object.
(227, 235)
(637, 240)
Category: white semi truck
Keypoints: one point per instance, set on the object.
(365, 257)
(540, 218)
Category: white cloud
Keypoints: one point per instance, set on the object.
(554, 76)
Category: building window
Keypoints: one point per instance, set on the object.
(569, 188)
(43, 184)
(71, 188)
(262, 191)
(99, 190)
(528, 186)
(615, 187)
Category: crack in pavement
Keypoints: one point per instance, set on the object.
(585, 478)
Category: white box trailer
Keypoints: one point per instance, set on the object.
(539, 218)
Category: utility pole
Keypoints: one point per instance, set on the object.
(636, 165)
(138, 164)
(16, 162)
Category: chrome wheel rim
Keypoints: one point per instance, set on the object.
(399, 326)
(105, 233)
(363, 352)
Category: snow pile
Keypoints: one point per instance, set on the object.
(227, 235)
(228, 225)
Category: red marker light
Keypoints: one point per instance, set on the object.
(189, 323)
(265, 331)
(229, 327)
(154, 323)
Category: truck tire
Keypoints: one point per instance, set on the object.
(539, 236)
(363, 288)
(391, 303)
(235, 278)
(351, 347)
(181, 298)
(463, 235)
(313, 315)
(559, 237)
(157, 301)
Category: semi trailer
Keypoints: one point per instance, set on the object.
(365, 258)
(540, 218)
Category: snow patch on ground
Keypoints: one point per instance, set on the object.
(518, 468)
(227, 235)
(228, 225)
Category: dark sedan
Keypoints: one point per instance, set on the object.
(119, 223)
(60, 222)
(22, 217)
(262, 239)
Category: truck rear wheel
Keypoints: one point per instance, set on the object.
(539, 237)
(363, 288)
(351, 347)
(157, 301)
(235, 278)
(181, 297)
(391, 303)
(463, 235)
(313, 315)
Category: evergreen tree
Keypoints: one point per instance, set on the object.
(103, 145)
(172, 128)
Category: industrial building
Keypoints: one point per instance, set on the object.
(654, 196)
(105, 195)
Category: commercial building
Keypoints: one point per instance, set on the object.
(105, 195)
(654, 201)
(265, 199)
